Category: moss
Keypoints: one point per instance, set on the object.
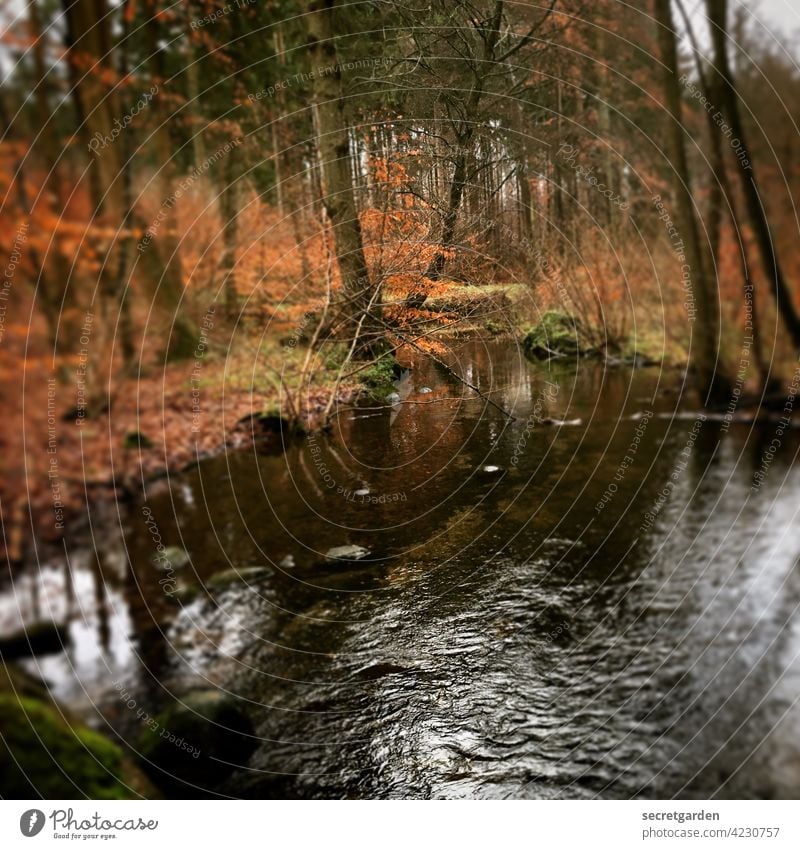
(41, 754)
(379, 377)
(271, 411)
(557, 334)
(475, 302)
(645, 350)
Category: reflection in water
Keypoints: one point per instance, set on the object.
(519, 626)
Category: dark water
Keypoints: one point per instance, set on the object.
(504, 637)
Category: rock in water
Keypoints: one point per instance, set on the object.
(557, 335)
(196, 742)
(172, 557)
(39, 639)
(347, 552)
(231, 578)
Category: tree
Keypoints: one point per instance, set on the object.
(721, 195)
(99, 91)
(361, 297)
(714, 387)
(476, 41)
(717, 12)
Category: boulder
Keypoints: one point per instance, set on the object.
(237, 577)
(172, 557)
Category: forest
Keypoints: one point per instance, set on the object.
(307, 305)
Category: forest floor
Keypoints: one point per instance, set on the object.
(56, 462)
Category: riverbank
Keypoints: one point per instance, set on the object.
(157, 423)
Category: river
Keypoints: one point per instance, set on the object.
(596, 599)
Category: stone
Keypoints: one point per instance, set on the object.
(237, 577)
(556, 335)
(196, 742)
(39, 639)
(347, 552)
(172, 557)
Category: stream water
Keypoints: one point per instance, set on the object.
(598, 598)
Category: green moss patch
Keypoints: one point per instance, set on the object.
(43, 755)
(558, 334)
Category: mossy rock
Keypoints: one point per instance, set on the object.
(171, 558)
(43, 755)
(237, 578)
(642, 352)
(186, 593)
(558, 334)
(196, 742)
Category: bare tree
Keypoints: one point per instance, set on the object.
(717, 11)
(714, 386)
(361, 307)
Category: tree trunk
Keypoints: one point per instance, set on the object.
(197, 127)
(717, 11)
(714, 387)
(96, 100)
(55, 293)
(360, 308)
(457, 184)
(99, 106)
(721, 192)
(162, 262)
(229, 212)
